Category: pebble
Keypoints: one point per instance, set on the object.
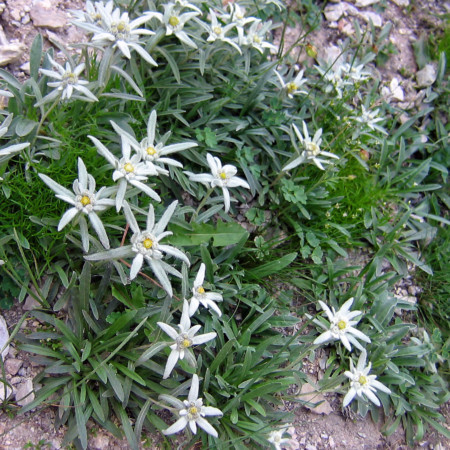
(4, 336)
(372, 16)
(15, 380)
(361, 434)
(23, 371)
(401, 2)
(324, 436)
(24, 393)
(310, 447)
(4, 389)
(46, 17)
(364, 3)
(13, 365)
(426, 76)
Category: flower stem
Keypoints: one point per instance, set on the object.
(44, 116)
(202, 203)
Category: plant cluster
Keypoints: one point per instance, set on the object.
(165, 137)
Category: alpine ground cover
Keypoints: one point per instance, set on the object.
(125, 168)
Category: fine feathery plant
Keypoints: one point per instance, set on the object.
(174, 185)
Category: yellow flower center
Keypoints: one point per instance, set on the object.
(147, 243)
(193, 410)
(217, 30)
(186, 343)
(291, 87)
(129, 167)
(122, 26)
(151, 151)
(342, 324)
(257, 39)
(362, 380)
(85, 200)
(174, 21)
(313, 148)
(201, 290)
(223, 175)
(70, 78)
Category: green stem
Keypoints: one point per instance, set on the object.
(202, 203)
(44, 116)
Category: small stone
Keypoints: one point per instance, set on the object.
(310, 447)
(364, 3)
(12, 352)
(361, 434)
(30, 302)
(309, 394)
(426, 76)
(99, 442)
(22, 372)
(324, 436)
(5, 391)
(15, 380)
(10, 53)
(331, 442)
(401, 2)
(26, 19)
(47, 17)
(12, 366)
(372, 16)
(24, 393)
(4, 337)
(26, 67)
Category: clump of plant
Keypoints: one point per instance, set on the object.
(173, 130)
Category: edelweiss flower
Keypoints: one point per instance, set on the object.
(92, 14)
(336, 80)
(184, 340)
(311, 149)
(146, 246)
(115, 30)
(192, 412)
(341, 326)
(293, 87)
(355, 73)
(217, 32)
(370, 119)
(174, 22)
(238, 19)
(255, 36)
(199, 295)
(152, 153)
(223, 177)
(128, 170)
(185, 4)
(10, 149)
(85, 201)
(362, 384)
(68, 81)
(276, 438)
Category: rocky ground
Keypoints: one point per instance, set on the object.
(323, 427)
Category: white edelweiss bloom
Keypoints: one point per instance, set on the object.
(223, 177)
(237, 18)
(151, 153)
(355, 73)
(199, 295)
(184, 340)
(146, 246)
(276, 438)
(255, 36)
(361, 383)
(115, 30)
(68, 82)
(335, 79)
(128, 170)
(192, 412)
(217, 32)
(85, 201)
(92, 14)
(292, 87)
(370, 119)
(311, 149)
(341, 326)
(174, 22)
(185, 4)
(394, 91)
(10, 149)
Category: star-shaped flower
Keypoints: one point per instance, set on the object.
(192, 412)
(292, 87)
(85, 201)
(310, 150)
(145, 245)
(183, 340)
(128, 170)
(217, 32)
(341, 326)
(199, 295)
(361, 383)
(223, 177)
(276, 438)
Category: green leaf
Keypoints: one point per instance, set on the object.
(25, 126)
(223, 353)
(129, 373)
(272, 266)
(36, 56)
(115, 382)
(223, 234)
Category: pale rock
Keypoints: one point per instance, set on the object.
(308, 393)
(99, 442)
(372, 16)
(15, 380)
(24, 393)
(45, 17)
(5, 391)
(30, 302)
(394, 90)
(426, 76)
(364, 3)
(334, 12)
(4, 337)
(310, 447)
(10, 53)
(12, 366)
(25, 67)
(401, 2)
(26, 19)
